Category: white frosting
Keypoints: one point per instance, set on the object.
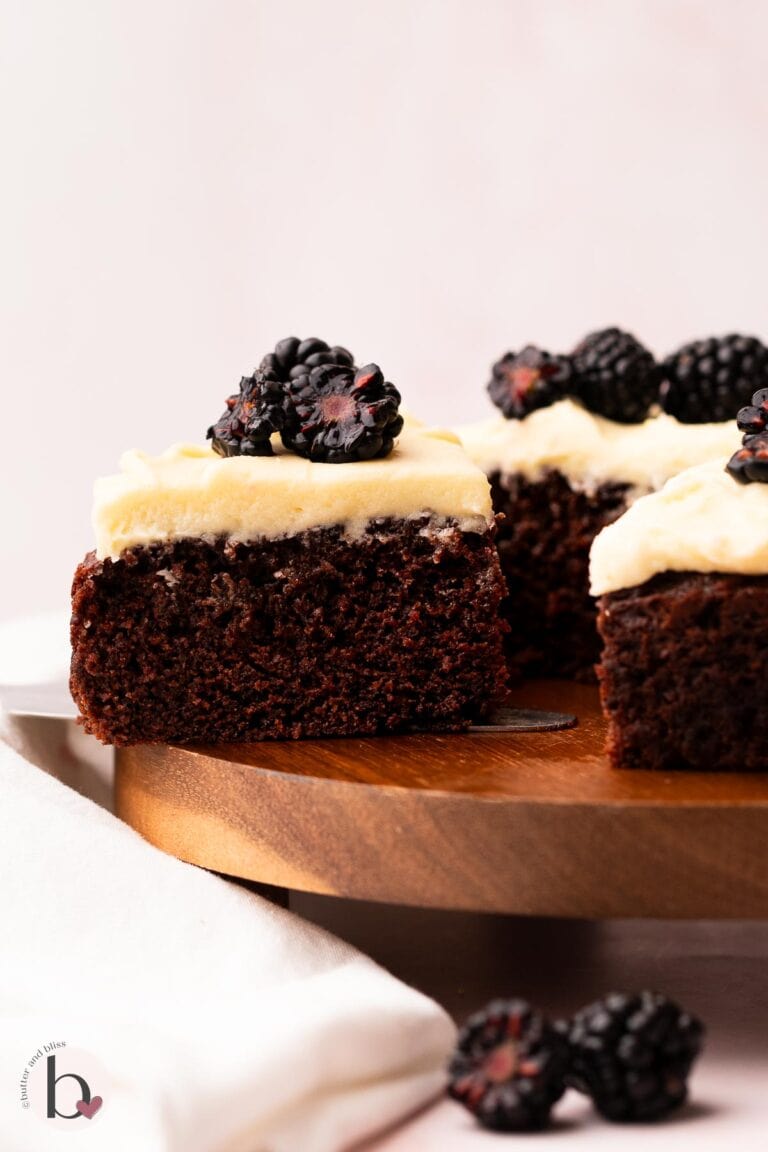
(590, 450)
(189, 491)
(701, 521)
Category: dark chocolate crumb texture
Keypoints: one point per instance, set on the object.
(312, 635)
(683, 673)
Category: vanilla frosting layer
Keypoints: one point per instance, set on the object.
(700, 521)
(189, 491)
(590, 450)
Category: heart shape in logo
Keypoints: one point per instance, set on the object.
(89, 1110)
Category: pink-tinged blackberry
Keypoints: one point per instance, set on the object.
(615, 376)
(523, 381)
(293, 357)
(753, 418)
(509, 1067)
(750, 463)
(251, 416)
(709, 380)
(632, 1054)
(336, 414)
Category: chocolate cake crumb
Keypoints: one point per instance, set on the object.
(311, 635)
(683, 675)
(544, 541)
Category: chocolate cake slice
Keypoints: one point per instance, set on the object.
(580, 438)
(682, 580)
(558, 477)
(269, 596)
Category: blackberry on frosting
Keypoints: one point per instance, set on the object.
(523, 381)
(336, 414)
(708, 380)
(615, 376)
(325, 408)
(250, 418)
(292, 357)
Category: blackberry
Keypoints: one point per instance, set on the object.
(615, 376)
(750, 463)
(259, 409)
(523, 381)
(754, 417)
(509, 1067)
(293, 357)
(632, 1055)
(251, 416)
(336, 414)
(711, 379)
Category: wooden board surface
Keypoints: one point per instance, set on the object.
(532, 823)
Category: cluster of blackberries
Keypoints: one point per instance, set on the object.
(631, 1054)
(323, 406)
(614, 375)
(750, 463)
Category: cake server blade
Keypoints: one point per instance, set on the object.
(52, 700)
(526, 720)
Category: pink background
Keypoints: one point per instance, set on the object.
(427, 181)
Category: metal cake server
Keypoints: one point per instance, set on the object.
(526, 720)
(53, 701)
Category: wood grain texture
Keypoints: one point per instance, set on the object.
(532, 823)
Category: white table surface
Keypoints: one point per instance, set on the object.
(719, 970)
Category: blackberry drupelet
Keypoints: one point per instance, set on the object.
(632, 1054)
(336, 414)
(293, 357)
(709, 380)
(509, 1067)
(754, 417)
(523, 381)
(615, 376)
(750, 463)
(251, 416)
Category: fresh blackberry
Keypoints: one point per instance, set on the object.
(509, 1067)
(750, 463)
(259, 409)
(293, 357)
(754, 417)
(523, 381)
(615, 376)
(711, 379)
(336, 414)
(251, 416)
(632, 1055)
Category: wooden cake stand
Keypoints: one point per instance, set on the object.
(530, 823)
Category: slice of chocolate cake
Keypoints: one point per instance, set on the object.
(239, 597)
(682, 579)
(580, 438)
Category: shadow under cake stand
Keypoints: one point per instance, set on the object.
(526, 823)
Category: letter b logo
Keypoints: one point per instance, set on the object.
(84, 1092)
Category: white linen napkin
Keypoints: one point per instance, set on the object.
(215, 1022)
